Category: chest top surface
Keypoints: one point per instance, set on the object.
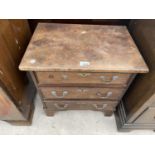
(74, 47)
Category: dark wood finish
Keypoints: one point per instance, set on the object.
(33, 23)
(14, 37)
(139, 101)
(82, 63)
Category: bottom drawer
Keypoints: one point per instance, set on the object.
(147, 117)
(80, 105)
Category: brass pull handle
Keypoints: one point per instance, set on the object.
(65, 77)
(106, 80)
(54, 93)
(107, 95)
(61, 107)
(84, 74)
(100, 107)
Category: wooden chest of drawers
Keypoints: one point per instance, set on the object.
(86, 67)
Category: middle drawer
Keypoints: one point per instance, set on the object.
(81, 93)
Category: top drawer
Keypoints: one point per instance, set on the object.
(81, 78)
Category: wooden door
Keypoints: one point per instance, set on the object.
(14, 37)
(16, 95)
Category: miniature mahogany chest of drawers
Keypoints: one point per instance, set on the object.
(86, 67)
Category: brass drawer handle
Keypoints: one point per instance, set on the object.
(61, 107)
(104, 79)
(65, 77)
(84, 74)
(54, 93)
(100, 107)
(107, 95)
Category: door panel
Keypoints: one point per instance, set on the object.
(14, 37)
(147, 117)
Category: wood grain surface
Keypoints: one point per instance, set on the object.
(81, 93)
(44, 78)
(74, 47)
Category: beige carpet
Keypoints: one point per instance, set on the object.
(68, 122)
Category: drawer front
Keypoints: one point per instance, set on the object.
(80, 105)
(147, 117)
(81, 93)
(81, 78)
